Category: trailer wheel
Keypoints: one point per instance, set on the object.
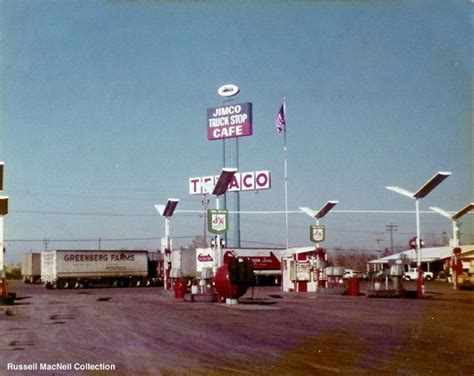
(63, 284)
(135, 282)
(74, 284)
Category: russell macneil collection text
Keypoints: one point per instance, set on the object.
(61, 367)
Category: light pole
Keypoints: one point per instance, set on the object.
(424, 190)
(454, 218)
(3, 211)
(220, 188)
(455, 242)
(167, 212)
(327, 207)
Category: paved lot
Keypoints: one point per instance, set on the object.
(143, 331)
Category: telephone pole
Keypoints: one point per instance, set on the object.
(391, 228)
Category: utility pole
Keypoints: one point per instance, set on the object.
(378, 239)
(391, 228)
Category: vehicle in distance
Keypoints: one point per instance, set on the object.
(351, 273)
(31, 267)
(412, 275)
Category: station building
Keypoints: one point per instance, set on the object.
(435, 259)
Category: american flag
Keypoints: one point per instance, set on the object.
(280, 121)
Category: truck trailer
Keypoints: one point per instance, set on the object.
(31, 267)
(75, 268)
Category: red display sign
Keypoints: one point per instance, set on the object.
(229, 121)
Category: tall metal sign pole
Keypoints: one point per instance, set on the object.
(3, 211)
(232, 120)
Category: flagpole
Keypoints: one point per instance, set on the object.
(285, 149)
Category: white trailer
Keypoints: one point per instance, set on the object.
(183, 263)
(73, 268)
(31, 267)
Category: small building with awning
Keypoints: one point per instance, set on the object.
(433, 259)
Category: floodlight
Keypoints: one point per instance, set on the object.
(224, 180)
(431, 184)
(3, 205)
(326, 209)
(463, 211)
(321, 212)
(454, 217)
(444, 213)
(168, 210)
(308, 211)
(401, 191)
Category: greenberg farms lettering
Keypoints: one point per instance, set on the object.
(98, 257)
(229, 121)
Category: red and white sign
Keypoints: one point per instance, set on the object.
(262, 259)
(244, 181)
(229, 121)
(265, 261)
(204, 258)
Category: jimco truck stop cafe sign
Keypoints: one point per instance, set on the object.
(229, 121)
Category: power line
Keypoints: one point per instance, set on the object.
(89, 214)
(184, 211)
(49, 240)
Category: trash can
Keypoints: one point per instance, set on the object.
(179, 288)
(353, 286)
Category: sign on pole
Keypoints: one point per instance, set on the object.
(229, 121)
(317, 233)
(241, 181)
(217, 220)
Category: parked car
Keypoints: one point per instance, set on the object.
(351, 273)
(412, 275)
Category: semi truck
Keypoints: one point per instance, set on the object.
(84, 268)
(31, 267)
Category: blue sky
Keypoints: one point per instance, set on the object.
(103, 115)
